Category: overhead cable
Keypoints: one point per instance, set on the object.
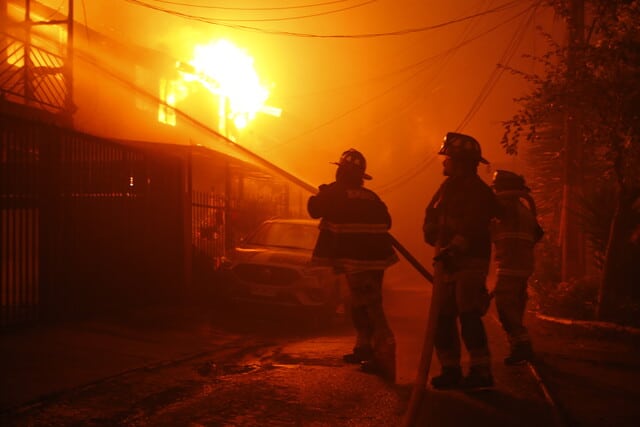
(495, 76)
(420, 65)
(444, 54)
(417, 170)
(207, 6)
(222, 20)
(402, 32)
(408, 174)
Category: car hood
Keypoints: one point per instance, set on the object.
(273, 256)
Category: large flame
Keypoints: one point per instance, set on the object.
(228, 73)
(233, 71)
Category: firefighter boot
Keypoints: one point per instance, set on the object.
(360, 354)
(383, 363)
(450, 377)
(479, 377)
(385, 369)
(521, 352)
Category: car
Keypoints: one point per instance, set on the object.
(272, 267)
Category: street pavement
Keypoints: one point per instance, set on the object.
(43, 364)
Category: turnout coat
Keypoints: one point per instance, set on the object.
(354, 230)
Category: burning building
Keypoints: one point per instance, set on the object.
(122, 179)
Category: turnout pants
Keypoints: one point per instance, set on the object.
(466, 300)
(511, 300)
(369, 320)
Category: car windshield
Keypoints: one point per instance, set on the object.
(287, 235)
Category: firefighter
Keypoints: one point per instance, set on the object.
(514, 236)
(457, 223)
(354, 239)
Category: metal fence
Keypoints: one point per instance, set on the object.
(90, 225)
(208, 225)
(86, 224)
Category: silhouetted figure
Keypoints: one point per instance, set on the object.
(354, 239)
(514, 236)
(457, 223)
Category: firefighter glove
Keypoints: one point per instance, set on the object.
(448, 259)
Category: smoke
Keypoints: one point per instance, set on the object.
(391, 97)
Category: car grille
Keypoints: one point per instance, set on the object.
(266, 274)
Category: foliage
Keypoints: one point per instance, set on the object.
(604, 89)
(596, 216)
(597, 84)
(547, 269)
(575, 299)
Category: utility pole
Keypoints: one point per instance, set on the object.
(573, 242)
(4, 23)
(69, 106)
(27, 75)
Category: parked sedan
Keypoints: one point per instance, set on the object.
(272, 267)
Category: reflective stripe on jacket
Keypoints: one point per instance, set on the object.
(354, 229)
(514, 237)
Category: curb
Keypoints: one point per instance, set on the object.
(591, 324)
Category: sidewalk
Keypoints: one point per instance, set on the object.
(592, 369)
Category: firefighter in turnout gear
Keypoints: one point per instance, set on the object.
(354, 239)
(514, 236)
(457, 222)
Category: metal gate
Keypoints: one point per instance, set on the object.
(19, 227)
(86, 224)
(208, 225)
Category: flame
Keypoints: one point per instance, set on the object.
(228, 73)
(232, 69)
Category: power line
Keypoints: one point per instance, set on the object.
(351, 110)
(446, 57)
(417, 170)
(222, 20)
(397, 71)
(203, 6)
(507, 55)
(420, 65)
(403, 32)
(408, 175)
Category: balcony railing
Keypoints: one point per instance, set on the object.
(31, 75)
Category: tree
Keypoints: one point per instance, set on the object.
(604, 87)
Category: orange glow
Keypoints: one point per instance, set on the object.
(169, 94)
(227, 72)
(52, 38)
(231, 69)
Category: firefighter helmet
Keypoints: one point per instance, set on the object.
(353, 160)
(458, 145)
(504, 180)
